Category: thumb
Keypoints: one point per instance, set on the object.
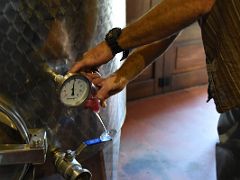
(76, 67)
(102, 96)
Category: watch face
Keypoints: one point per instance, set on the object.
(75, 90)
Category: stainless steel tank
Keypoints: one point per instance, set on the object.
(35, 36)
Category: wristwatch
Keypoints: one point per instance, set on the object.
(111, 40)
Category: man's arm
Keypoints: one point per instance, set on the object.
(131, 68)
(165, 19)
(142, 57)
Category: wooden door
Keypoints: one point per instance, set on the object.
(182, 66)
(184, 62)
(144, 85)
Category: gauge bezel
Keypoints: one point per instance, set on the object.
(69, 77)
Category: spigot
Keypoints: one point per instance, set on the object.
(69, 167)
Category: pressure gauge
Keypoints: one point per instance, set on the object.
(74, 89)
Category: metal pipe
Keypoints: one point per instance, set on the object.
(32, 153)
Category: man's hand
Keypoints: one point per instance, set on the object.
(93, 58)
(107, 86)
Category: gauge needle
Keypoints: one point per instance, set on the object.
(73, 88)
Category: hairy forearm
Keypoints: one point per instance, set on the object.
(165, 19)
(141, 58)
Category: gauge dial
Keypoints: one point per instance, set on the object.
(74, 90)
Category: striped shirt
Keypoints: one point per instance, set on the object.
(221, 39)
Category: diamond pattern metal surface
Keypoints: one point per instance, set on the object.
(53, 32)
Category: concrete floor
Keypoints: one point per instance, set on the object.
(169, 137)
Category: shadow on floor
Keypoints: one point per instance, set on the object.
(169, 137)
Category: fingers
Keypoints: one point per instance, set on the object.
(106, 87)
(98, 81)
(103, 98)
(83, 63)
(101, 93)
(103, 103)
(87, 63)
(94, 57)
(92, 76)
(104, 91)
(76, 67)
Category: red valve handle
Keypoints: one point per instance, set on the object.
(93, 103)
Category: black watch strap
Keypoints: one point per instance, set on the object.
(111, 39)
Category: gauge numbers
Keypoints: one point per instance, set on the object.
(74, 91)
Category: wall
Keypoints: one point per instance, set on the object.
(182, 66)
